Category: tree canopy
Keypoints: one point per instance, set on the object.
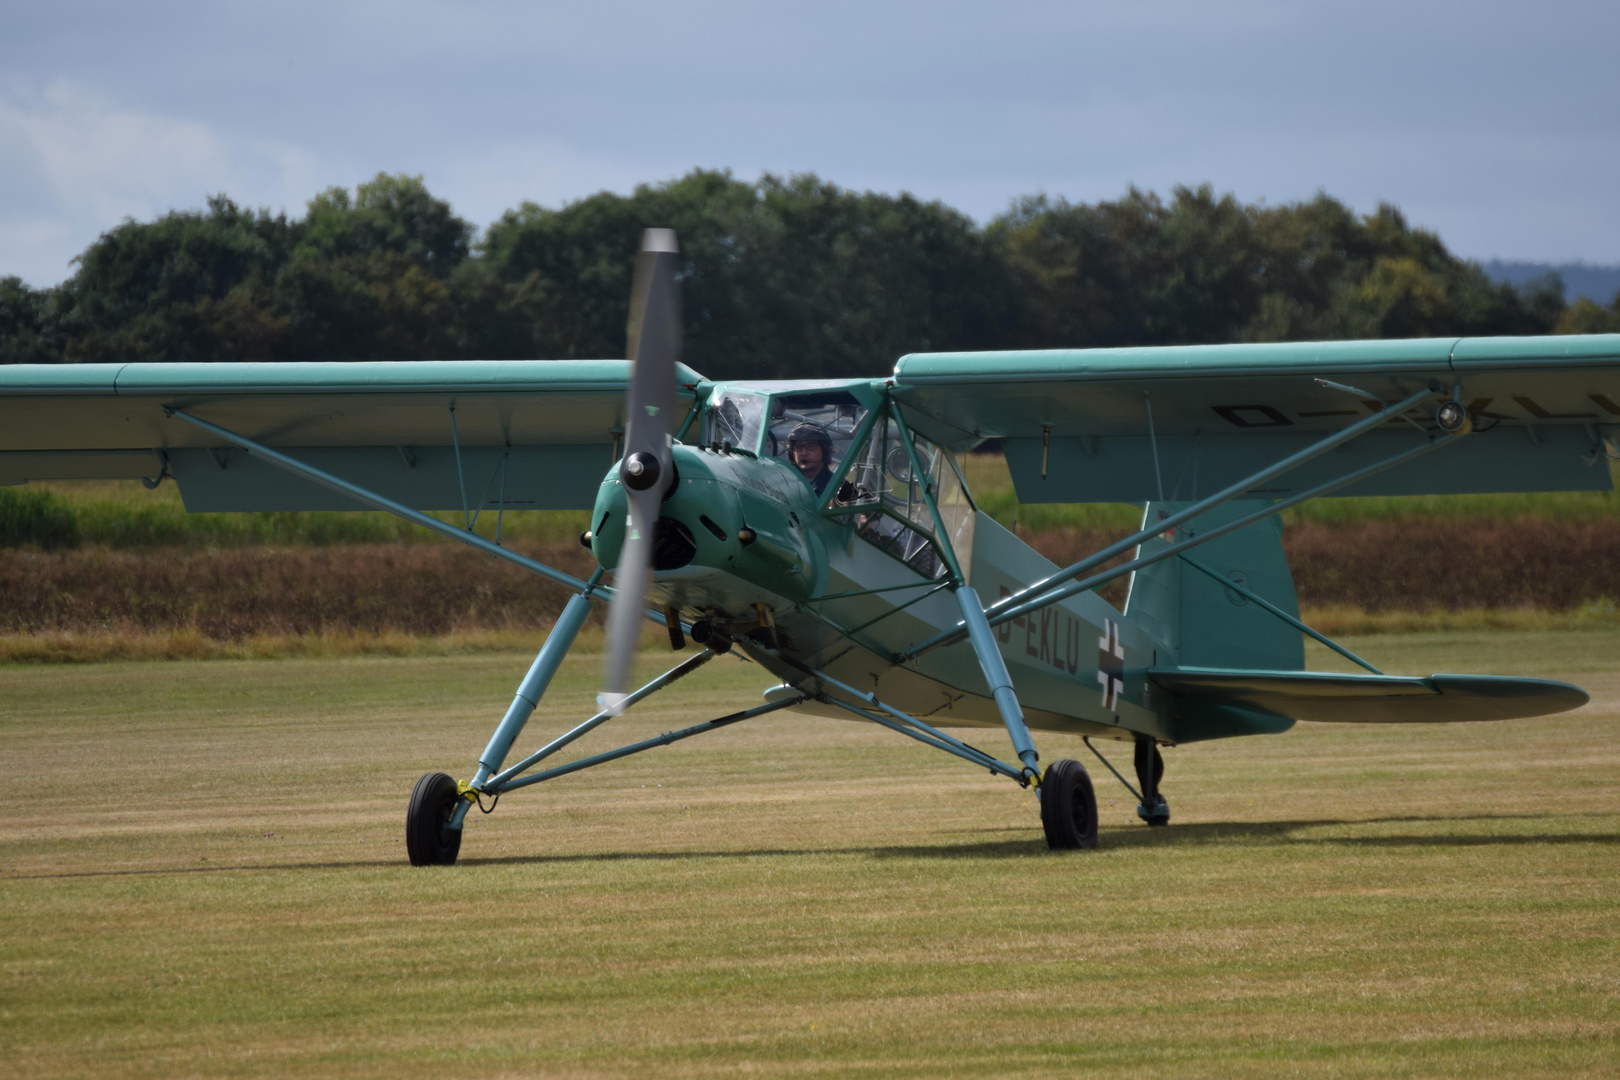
(782, 277)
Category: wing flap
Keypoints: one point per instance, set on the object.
(1372, 699)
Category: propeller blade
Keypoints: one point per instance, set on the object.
(645, 470)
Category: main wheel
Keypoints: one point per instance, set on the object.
(1068, 807)
(427, 841)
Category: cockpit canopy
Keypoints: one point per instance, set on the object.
(765, 425)
(883, 493)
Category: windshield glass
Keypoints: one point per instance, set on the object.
(908, 545)
(812, 432)
(735, 419)
(900, 522)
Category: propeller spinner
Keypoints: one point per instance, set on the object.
(645, 471)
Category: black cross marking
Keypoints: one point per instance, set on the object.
(1110, 664)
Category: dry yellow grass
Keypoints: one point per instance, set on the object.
(190, 643)
(204, 875)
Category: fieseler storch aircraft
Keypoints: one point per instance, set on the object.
(824, 528)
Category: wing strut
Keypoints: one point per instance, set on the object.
(995, 673)
(1096, 581)
(380, 502)
(896, 720)
(1267, 605)
(533, 687)
(1050, 589)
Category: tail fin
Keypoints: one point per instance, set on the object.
(1205, 624)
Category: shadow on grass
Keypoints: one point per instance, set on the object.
(1126, 837)
(994, 849)
(1282, 832)
(1030, 843)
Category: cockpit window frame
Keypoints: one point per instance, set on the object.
(712, 405)
(941, 537)
(856, 439)
(934, 529)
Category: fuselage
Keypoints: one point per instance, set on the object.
(803, 581)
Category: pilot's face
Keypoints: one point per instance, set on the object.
(808, 457)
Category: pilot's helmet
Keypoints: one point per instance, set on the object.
(810, 433)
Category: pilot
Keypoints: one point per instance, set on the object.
(810, 450)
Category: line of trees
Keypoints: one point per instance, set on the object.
(783, 277)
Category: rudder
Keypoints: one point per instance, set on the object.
(1205, 624)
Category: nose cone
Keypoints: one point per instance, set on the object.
(725, 512)
(698, 521)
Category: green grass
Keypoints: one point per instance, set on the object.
(204, 875)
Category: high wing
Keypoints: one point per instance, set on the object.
(529, 434)
(1372, 699)
(1076, 424)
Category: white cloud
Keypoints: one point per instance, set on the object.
(108, 161)
(75, 165)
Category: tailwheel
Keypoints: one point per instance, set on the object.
(433, 803)
(1153, 808)
(1068, 807)
(1155, 814)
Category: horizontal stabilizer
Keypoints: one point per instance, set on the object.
(1372, 699)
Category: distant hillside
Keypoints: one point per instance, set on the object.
(1598, 284)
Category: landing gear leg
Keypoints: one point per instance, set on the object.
(438, 807)
(1153, 808)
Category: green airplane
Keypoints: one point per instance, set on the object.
(825, 530)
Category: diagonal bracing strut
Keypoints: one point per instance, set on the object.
(1038, 588)
(1098, 580)
(1050, 590)
(645, 744)
(681, 670)
(290, 464)
(325, 479)
(902, 722)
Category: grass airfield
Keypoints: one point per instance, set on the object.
(205, 875)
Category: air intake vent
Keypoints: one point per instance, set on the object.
(673, 546)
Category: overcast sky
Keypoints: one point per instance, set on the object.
(1496, 124)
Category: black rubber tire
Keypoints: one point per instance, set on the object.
(1068, 807)
(427, 841)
